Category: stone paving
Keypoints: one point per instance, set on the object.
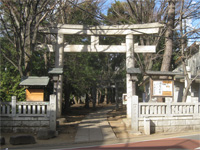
(95, 127)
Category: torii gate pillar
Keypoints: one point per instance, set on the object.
(130, 63)
(59, 52)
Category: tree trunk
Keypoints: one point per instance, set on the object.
(183, 46)
(106, 96)
(98, 96)
(116, 96)
(87, 101)
(169, 37)
(166, 62)
(67, 98)
(28, 65)
(94, 97)
(186, 91)
(75, 100)
(45, 59)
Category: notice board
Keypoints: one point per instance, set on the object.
(162, 87)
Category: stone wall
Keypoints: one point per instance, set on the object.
(27, 117)
(171, 124)
(23, 124)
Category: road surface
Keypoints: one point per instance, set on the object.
(179, 143)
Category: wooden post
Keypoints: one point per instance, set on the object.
(53, 113)
(14, 101)
(59, 64)
(130, 86)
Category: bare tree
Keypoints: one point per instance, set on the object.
(187, 33)
(20, 20)
(148, 11)
(131, 12)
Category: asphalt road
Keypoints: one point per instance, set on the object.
(186, 142)
(178, 143)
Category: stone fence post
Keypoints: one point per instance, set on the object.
(14, 101)
(134, 114)
(52, 115)
(196, 108)
(168, 108)
(147, 126)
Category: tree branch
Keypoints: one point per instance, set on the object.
(134, 13)
(13, 12)
(9, 60)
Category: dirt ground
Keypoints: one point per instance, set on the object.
(115, 120)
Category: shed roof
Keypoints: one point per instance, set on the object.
(155, 73)
(163, 73)
(56, 71)
(34, 81)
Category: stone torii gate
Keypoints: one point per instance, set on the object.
(95, 31)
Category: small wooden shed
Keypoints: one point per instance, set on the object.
(35, 87)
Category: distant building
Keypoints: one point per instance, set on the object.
(193, 53)
(193, 63)
(171, 89)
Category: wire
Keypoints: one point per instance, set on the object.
(163, 36)
(100, 17)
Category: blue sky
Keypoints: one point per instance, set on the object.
(191, 23)
(108, 4)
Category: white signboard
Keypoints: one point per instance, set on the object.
(162, 88)
(124, 99)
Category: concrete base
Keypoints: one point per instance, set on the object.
(166, 124)
(22, 139)
(170, 124)
(2, 141)
(46, 134)
(135, 132)
(24, 124)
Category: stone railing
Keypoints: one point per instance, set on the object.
(15, 108)
(169, 109)
(35, 112)
(164, 117)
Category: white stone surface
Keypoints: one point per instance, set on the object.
(134, 114)
(147, 127)
(129, 64)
